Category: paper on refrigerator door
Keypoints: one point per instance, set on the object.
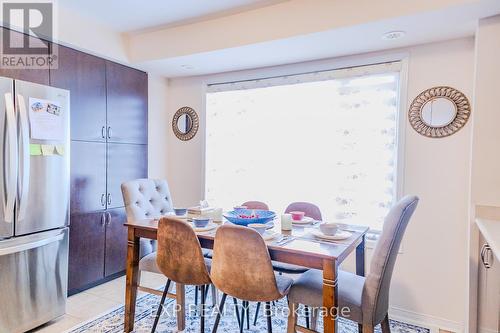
(46, 121)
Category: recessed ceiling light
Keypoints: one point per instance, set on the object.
(391, 35)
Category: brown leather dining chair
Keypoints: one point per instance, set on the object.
(256, 205)
(241, 268)
(367, 298)
(180, 259)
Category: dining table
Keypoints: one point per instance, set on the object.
(298, 246)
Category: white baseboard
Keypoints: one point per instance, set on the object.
(424, 320)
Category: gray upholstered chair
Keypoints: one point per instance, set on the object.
(367, 298)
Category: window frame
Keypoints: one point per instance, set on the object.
(320, 66)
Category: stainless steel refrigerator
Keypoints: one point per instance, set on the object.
(34, 203)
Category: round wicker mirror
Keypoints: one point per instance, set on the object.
(438, 112)
(185, 123)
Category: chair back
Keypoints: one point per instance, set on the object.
(179, 256)
(256, 205)
(241, 266)
(145, 199)
(310, 210)
(376, 289)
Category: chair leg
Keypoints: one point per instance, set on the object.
(268, 315)
(214, 296)
(219, 313)
(386, 326)
(202, 309)
(314, 318)
(306, 313)
(292, 318)
(360, 328)
(256, 314)
(160, 307)
(180, 296)
(248, 314)
(368, 329)
(196, 296)
(206, 293)
(237, 311)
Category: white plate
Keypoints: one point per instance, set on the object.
(209, 226)
(340, 235)
(269, 234)
(305, 220)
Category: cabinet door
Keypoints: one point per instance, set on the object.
(88, 176)
(86, 249)
(127, 101)
(85, 77)
(125, 162)
(26, 74)
(116, 241)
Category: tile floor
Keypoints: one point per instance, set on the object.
(93, 302)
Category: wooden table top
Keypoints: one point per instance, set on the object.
(298, 246)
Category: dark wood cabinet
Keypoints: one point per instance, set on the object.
(116, 242)
(127, 104)
(108, 147)
(86, 251)
(84, 75)
(40, 75)
(88, 176)
(125, 162)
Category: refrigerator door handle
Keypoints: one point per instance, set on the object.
(10, 159)
(32, 245)
(24, 140)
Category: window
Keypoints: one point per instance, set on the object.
(329, 138)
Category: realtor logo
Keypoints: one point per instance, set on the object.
(26, 43)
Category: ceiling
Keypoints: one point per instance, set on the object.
(132, 15)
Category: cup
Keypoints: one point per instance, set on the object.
(286, 221)
(259, 227)
(297, 216)
(201, 222)
(180, 211)
(329, 229)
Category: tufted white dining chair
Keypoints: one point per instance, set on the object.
(147, 199)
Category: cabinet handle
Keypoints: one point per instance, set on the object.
(103, 220)
(109, 199)
(103, 200)
(110, 132)
(485, 256)
(103, 132)
(108, 214)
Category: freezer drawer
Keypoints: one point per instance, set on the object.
(33, 280)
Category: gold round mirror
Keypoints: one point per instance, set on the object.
(439, 112)
(185, 123)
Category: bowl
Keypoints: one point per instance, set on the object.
(329, 229)
(259, 227)
(297, 216)
(180, 211)
(201, 222)
(244, 216)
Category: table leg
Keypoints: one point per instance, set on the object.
(360, 258)
(180, 292)
(330, 296)
(132, 278)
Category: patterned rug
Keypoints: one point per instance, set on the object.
(146, 306)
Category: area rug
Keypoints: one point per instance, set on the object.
(146, 306)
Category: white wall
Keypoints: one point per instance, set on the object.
(485, 178)
(430, 278)
(95, 38)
